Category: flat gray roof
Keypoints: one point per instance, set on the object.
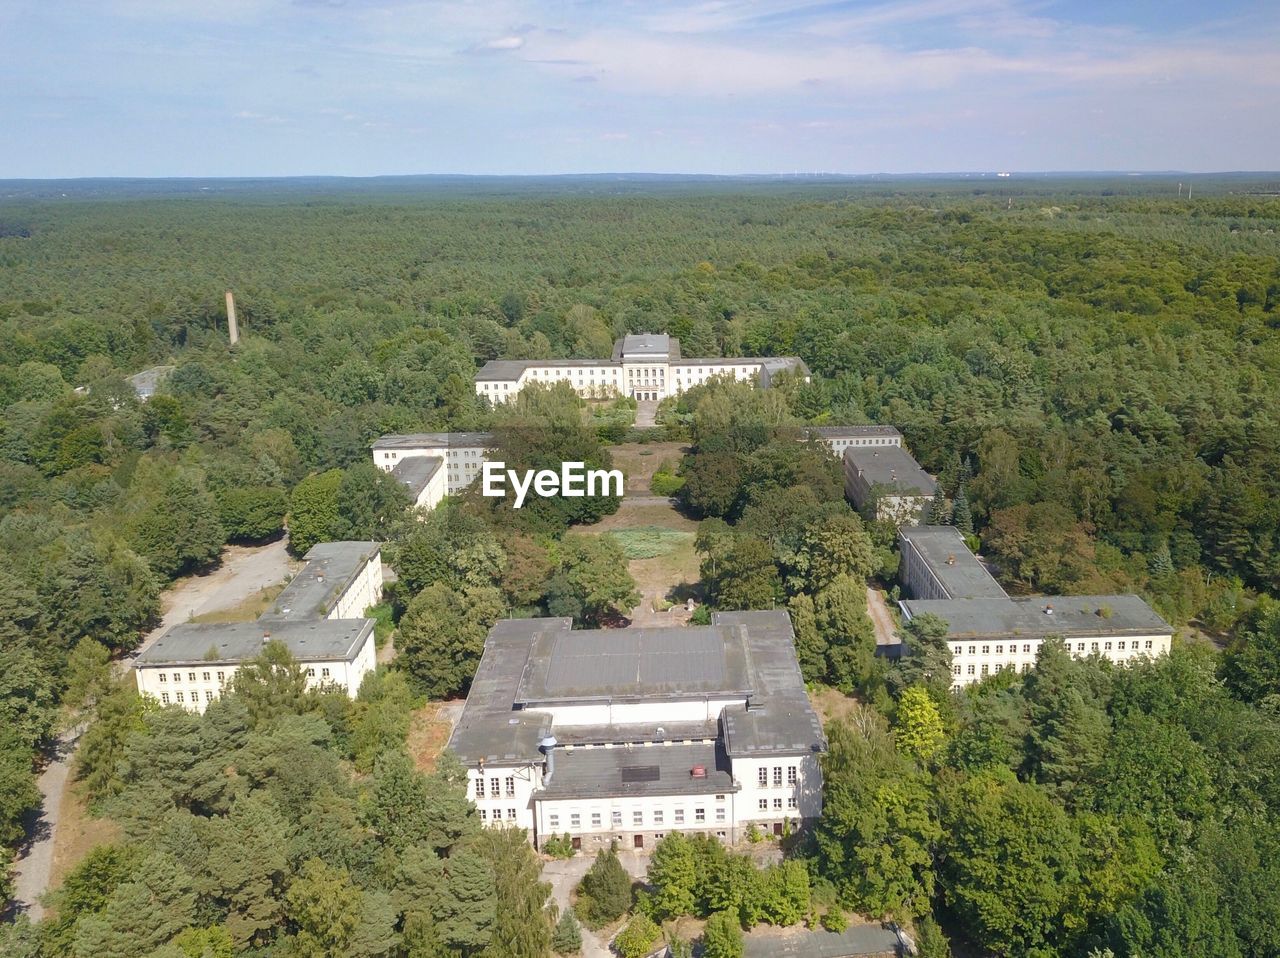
(765, 941)
(328, 569)
(146, 382)
(1072, 615)
(531, 661)
(637, 663)
(644, 344)
(944, 551)
(642, 770)
(892, 467)
(851, 432)
(434, 440)
(315, 640)
(415, 472)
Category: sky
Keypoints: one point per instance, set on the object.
(367, 87)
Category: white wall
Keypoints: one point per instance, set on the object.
(198, 685)
(523, 779)
(365, 590)
(976, 659)
(805, 792)
(638, 713)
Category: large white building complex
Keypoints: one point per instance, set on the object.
(319, 616)
(626, 735)
(990, 630)
(645, 367)
(885, 482)
(443, 462)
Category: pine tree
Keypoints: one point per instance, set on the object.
(567, 938)
(939, 514)
(607, 888)
(961, 514)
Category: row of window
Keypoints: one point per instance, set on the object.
(191, 676)
(657, 818)
(1120, 646)
(777, 804)
(509, 791)
(497, 814)
(762, 776)
(181, 699)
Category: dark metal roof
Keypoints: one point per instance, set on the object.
(851, 432)
(742, 654)
(643, 345)
(638, 663)
(641, 770)
(212, 643)
(415, 472)
(1072, 616)
(853, 942)
(944, 551)
(330, 567)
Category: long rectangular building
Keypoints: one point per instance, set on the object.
(463, 453)
(646, 366)
(626, 735)
(989, 630)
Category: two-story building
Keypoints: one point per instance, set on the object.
(626, 735)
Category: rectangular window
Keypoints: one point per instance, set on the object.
(163, 677)
(511, 813)
(719, 814)
(324, 673)
(999, 650)
(973, 649)
(1026, 649)
(791, 774)
(616, 817)
(595, 819)
(657, 816)
(986, 649)
(311, 673)
(180, 698)
(986, 670)
(777, 803)
(484, 815)
(479, 788)
(792, 803)
(191, 676)
(777, 776)
(205, 676)
(177, 676)
(764, 804)
(679, 816)
(208, 696)
(1120, 646)
(575, 820)
(164, 698)
(699, 814)
(955, 670)
(493, 787)
(762, 776)
(1148, 643)
(1108, 647)
(511, 786)
(637, 818)
(971, 670)
(1080, 647)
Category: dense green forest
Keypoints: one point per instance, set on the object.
(1093, 371)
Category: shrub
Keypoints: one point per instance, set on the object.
(637, 939)
(722, 937)
(558, 846)
(665, 484)
(834, 920)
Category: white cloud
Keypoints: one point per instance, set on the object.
(505, 43)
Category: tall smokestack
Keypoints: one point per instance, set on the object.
(233, 331)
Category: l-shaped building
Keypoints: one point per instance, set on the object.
(628, 734)
(990, 630)
(647, 366)
(319, 616)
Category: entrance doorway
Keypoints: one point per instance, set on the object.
(577, 844)
(638, 841)
(777, 828)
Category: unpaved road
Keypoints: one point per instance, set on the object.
(881, 618)
(244, 571)
(564, 875)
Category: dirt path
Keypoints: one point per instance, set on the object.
(564, 875)
(646, 413)
(881, 618)
(243, 572)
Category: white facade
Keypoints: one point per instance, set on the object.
(972, 661)
(644, 367)
(463, 453)
(195, 684)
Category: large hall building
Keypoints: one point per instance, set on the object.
(990, 630)
(628, 734)
(647, 366)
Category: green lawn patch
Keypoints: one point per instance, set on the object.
(649, 542)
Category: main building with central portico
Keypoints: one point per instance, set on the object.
(628, 734)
